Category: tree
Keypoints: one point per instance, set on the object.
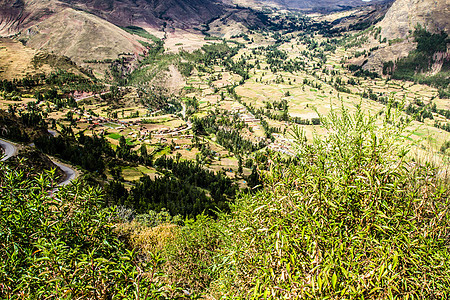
(123, 150)
(240, 169)
(143, 151)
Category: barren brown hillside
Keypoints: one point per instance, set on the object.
(18, 61)
(81, 36)
(89, 30)
(399, 23)
(159, 13)
(54, 27)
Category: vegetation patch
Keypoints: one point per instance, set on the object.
(141, 32)
(114, 136)
(420, 61)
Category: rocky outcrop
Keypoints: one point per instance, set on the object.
(404, 15)
(391, 53)
(11, 12)
(400, 22)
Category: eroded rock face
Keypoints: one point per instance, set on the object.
(391, 53)
(11, 15)
(398, 25)
(404, 15)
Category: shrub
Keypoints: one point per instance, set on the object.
(64, 246)
(353, 220)
(192, 260)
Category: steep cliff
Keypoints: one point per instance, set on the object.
(398, 26)
(404, 15)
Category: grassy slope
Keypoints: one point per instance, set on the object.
(18, 61)
(82, 37)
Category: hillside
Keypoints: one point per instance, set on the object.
(69, 32)
(96, 30)
(18, 61)
(81, 36)
(18, 15)
(405, 15)
(314, 5)
(183, 14)
(399, 24)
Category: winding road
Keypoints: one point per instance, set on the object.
(71, 174)
(11, 150)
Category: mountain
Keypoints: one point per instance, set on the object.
(96, 30)
(93, 30)
(400, 22)
(55, 27)
(19, 14)
(180, 13)
(404, 15)
(323, 5)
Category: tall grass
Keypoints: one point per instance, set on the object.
(354, 220)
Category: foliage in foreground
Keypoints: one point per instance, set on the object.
(354, 220)
(64, 245)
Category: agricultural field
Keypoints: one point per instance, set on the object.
(253, 90)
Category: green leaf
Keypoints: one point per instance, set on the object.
(334, 280)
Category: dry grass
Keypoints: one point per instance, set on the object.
(81, 36)
(16, 60)
(148, 239)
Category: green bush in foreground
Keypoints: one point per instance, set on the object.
(354, 220)
(64, 246)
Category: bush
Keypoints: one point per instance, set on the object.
(354, 219)
(64, 246)
(192, 259)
